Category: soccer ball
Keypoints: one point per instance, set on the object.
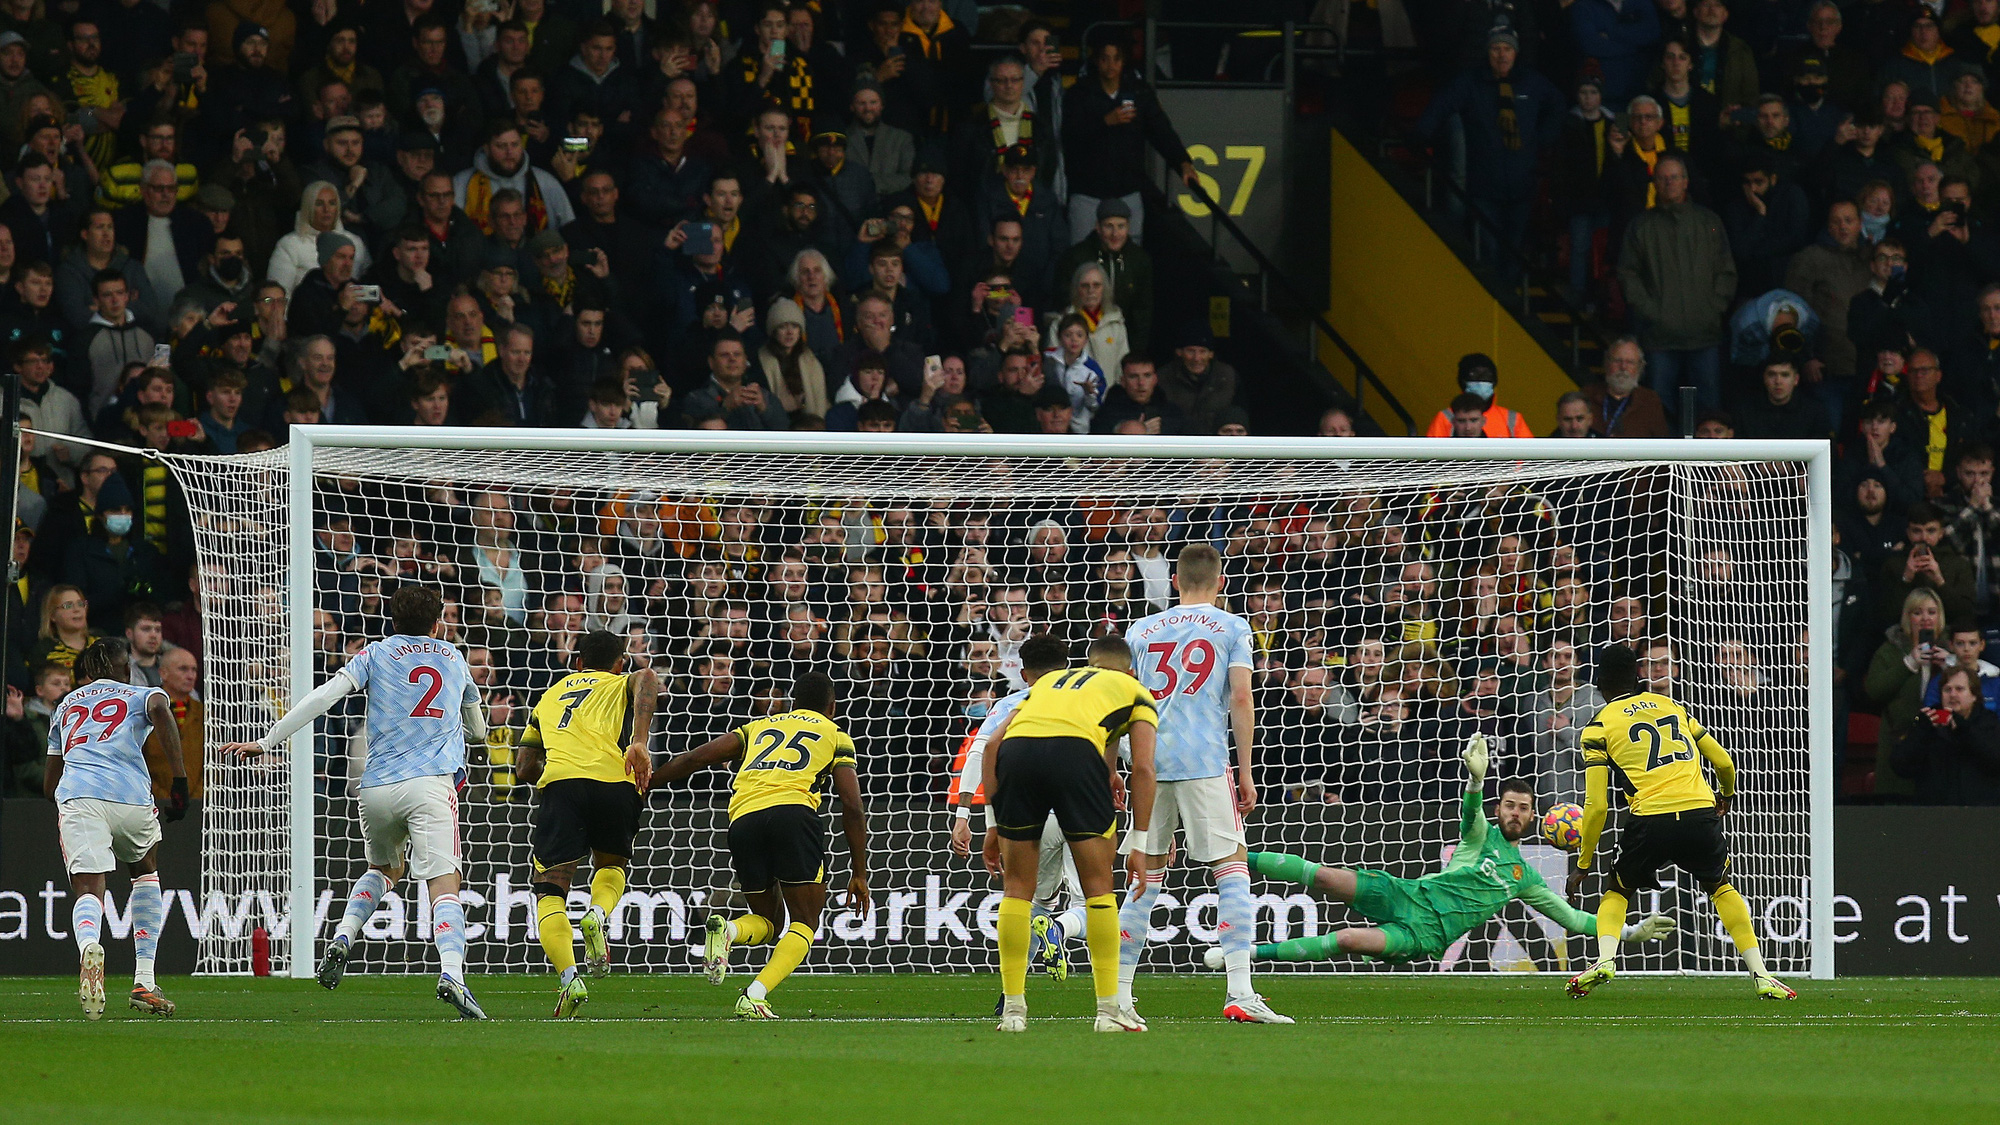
(1562, 826)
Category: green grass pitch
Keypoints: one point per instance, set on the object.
(908, 1048)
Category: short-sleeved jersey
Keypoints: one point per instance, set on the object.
(414, 686)
(1184, 656)
(787, 760)
(99, 731)
(583, 724)
(1654, 748)
(1095, 704)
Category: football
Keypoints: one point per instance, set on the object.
(1562, 826)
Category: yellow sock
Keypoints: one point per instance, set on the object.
(792, 949)
(752, 929)
(1610, 920)
(1100, 929)
(558, 937)
(1013, 927)
(607, 886)
(1735, 915)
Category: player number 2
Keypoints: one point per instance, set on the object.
(768, 742)
(423, 709)
(1196, 658)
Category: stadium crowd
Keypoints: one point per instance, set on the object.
(1790, 207)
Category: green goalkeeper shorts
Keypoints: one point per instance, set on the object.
(1402, 911)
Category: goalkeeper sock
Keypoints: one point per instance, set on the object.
(1012, 925)
(1735, 915)
(1321, 948)
(448, 931)
(1278, 865)
(86, 918)
(361, 902)
(558, 936)
(1134, 922)
(751, 929)
(1610, 920)
(607, 889)
(791, 950)
(149, 913)
(1107, 965)
(1235, 923)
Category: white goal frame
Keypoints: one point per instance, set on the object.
(1816, 456)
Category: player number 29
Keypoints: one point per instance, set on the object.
(108, 714)
(1196, 658)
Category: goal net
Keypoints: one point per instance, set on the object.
(1402, 598)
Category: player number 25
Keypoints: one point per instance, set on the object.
(768, 742)
(1196, 658)
(1662, 750)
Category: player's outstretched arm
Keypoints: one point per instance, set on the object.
(854, 824)
(1538, 895)
(644, 688)
(161, 712)
(316, 703)
(714, 752)
(1472, 824)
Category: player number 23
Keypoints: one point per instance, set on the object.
(1662, 749)
(768, 743)
(1196, 658)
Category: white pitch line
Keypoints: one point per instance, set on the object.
(1802, 1020)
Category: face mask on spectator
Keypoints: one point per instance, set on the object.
(1873, 227)
(1481, 388)
(119, 524)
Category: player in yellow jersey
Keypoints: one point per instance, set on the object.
(585, 749)
(776, 840)
(1656, 749)
(1057, 755)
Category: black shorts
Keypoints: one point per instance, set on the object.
(1691, 841)
(1034, 777)
(781, 844)
(577, 816)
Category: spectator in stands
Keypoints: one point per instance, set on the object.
(1952, 752)
(1195, 381)
(1828, 274)
(1783, 412)
(1586, 153)
(1968, 641)
(1925, 65)
(1479, 378)
(1621, 406)
(733, 392)
(1768, 221)
(1125, 262)
(1091, 298)
(885, 150)
(791, 369)
(1137, 398)
(1927, 562)
(1939, 422)
(1875, 449)
(1109, 119)
(1510, 115)
(1678, 277)
(1574, 417)
(1887, 315)
(1336, 422)
(179, 673)
(1617, 38)
(1974, 523)
(113, 564)
(65, 629)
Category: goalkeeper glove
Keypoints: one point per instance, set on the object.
(1474, 757)
(1652, 927)
(177, 800)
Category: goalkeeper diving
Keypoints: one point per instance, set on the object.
(1418, 918)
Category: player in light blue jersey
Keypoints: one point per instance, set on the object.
(1196, 660)
(96, 774)
(422, 709)
(1048, 932)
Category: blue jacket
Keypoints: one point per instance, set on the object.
(1492, 170)
(1620, 39)
(1989, 687)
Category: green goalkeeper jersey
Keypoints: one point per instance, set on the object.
(1485, 873)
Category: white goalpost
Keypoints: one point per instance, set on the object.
(1403, 592)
